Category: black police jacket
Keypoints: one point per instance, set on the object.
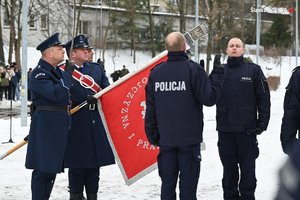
(245, 99)
(291, 117)
(175, 94)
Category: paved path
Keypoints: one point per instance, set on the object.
(6, 111)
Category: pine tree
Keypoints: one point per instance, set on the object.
(278, 35)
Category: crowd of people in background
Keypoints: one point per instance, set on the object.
(10, 77)
(119, 73)
(10, 80)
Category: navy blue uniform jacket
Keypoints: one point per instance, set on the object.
(175, 94)
(245, 100)
(88, 145)
(291, 118)
(48, 129)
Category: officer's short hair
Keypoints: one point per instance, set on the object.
(175, 42)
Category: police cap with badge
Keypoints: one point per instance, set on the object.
(51, 41)
(88, 43)
(78, 42)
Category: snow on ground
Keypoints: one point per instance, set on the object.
(15, 179)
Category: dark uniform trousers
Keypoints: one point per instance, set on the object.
(183, 161)
(80, 177)
(42, 184)
(238, 149)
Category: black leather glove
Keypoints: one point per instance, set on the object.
(257, 131)
(91, 99)
(217, 63)
(69, 67)
(201, 63)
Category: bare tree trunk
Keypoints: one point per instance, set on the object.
(181, 6)
(105, 37)
(133, 46)
(78, 17)
(242, 19)
(210, 21)
(133, 27)
(12, 34)
(111, 26)
(209, 47)
(19, 38)
(151, 29)
(2, 58)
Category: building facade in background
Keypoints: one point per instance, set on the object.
(106, 23)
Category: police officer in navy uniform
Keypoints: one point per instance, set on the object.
(90, 49)
(87, 148)
(50, 124)
(243, 112)
(175, 94)
(91, 53)
(291, 118)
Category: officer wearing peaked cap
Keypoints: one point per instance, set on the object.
(53, 40)
(77, 42)
(87, 42)
(50, 122)
(87, 148)
(91, 52)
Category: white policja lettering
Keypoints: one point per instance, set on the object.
(170, 86)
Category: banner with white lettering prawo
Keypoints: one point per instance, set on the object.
(122, 108)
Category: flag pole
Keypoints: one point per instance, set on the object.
(24, 78)
(25, 140)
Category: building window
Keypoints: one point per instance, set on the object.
(44, 22)
(32, 22)
(84, 27)
(174, 2)
(6, 20)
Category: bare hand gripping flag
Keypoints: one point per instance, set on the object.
(122, 109)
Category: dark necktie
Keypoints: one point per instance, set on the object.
(80, 69)
(57, 73)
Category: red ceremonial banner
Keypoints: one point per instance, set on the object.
(122, 109)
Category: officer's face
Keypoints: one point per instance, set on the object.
(80, 55)
(235, 48)
(57, 53)
(91, 54)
